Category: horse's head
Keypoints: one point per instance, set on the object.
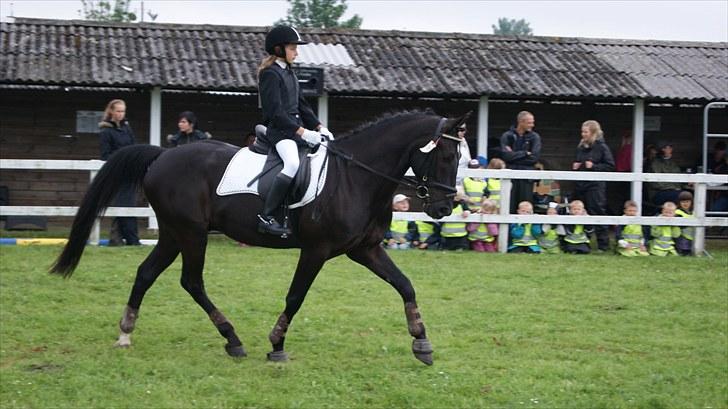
(436, 165)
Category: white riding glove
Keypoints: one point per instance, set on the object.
(313, 138)
(325, 132)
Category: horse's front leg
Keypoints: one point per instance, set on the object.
(309, 265)
(377, 260)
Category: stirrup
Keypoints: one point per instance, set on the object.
(271, 226)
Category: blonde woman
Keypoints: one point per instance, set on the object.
(593, 155)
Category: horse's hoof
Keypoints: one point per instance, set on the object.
(422, 350)
(277, 356)
(236, 351)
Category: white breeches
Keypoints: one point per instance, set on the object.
(288, 150)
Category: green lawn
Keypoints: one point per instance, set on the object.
(508, 331)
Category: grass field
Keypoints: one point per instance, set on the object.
(508, 331)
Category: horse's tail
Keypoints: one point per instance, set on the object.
(126, 167)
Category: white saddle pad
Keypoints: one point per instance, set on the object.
(246, 165)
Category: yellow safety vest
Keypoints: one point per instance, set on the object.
(686, 231)
(398, 229)
(425, 229)
(549, 240)
(577, 236)
(527, 239)
(481, 233)
(454, 229)
(632, 234)
(663, 237)
(494, 187)
(474, 189)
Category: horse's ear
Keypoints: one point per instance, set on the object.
(458, 122)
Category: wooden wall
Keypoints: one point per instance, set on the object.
(32, 122)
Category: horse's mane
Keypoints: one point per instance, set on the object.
(384, 120)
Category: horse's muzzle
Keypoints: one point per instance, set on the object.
(438, 211)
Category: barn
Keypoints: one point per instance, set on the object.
(57, 75)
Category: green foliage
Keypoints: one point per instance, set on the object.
(319, 14)
(508, 331)
(512, 27)
(104, 10)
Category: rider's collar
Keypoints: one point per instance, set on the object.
(281, 63)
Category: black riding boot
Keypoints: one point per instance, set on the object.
(276, 196)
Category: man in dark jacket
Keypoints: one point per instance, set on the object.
(521, 149)
(593, 155)
(188, 132)
(115, 134)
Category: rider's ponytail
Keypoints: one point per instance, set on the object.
(266, 62)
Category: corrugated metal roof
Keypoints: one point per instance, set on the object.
(362, 62)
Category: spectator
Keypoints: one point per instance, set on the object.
(576, 238)
(624, 154)
(593, 155)
(631, 238)
(684, 243)
(549, 239)
(493, 187)
(428, 235)
(474, 187)
(483, 236)
(523, 235)
(465, 156)
(521, 149)
(649, 156)
(661, 192)
(663, 237)
(115, 134)
(400, 235)
(188, 132)
(454, 235)
(718, 164)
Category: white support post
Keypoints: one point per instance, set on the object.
(699, 205)
(505, 206)
(155, 131)
(323, 109)
(638, 140)
(482, 141)
(96, 229)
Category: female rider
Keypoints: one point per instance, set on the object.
(285, 113)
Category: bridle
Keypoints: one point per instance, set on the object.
(421, 183)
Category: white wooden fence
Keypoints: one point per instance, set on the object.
(700, 184)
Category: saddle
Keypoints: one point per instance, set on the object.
(253, 171)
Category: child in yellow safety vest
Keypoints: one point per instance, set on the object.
(428, 235)
(523, 235)
(576, 238)
(663, 237)
(493, 188)
(549, 240)
(400, 233)
(483, 236)
(454, 235)
(684, 243)
(631, 238)
(474, 187)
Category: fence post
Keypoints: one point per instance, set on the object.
(96, 230)
(699, 204)
(505, 208)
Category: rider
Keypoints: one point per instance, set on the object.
(285, 112)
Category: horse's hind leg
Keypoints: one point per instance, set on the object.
(377, 260)
(193, 261)
(162, 255)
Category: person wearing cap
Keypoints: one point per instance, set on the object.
(661, 192)
(287, 115)
(188, 132)
(684, 243)
(520, 148)
(401, 232)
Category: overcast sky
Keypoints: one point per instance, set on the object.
(655, 20)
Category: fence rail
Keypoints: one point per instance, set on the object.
(701, 183)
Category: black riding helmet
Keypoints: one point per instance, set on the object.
(281, 35)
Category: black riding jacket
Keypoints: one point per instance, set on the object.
(284, 107)
(112, 137)
(601, 157)
(181, 138)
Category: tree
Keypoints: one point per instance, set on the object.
(512, 27)
(319, 14)
(103, 10)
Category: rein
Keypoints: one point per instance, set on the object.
(421, 187)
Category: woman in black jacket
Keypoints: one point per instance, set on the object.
(285, 113)
(593, 155)
(188, 132)
(115, 133)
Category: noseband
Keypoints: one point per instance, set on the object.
(421, 184)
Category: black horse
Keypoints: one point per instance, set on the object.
(350, 215)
